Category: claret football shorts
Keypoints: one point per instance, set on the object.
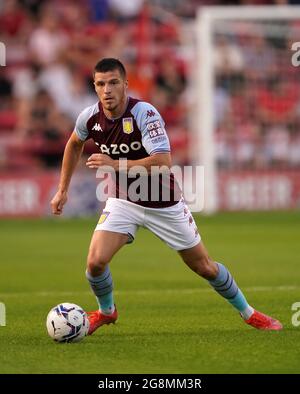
(174, 225)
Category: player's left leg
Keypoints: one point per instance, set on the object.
(198, 260)
(175, 225)
(222, 281)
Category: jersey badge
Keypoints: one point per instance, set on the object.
(127, 125)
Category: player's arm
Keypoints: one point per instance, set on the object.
(155, 160)
(97, 160)
(72, 154)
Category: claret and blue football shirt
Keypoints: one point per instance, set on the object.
(138, 133)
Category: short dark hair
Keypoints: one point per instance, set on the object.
(110, 64)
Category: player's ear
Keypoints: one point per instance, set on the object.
(126, 83)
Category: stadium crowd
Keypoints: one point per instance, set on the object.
(52, 47)
(257, 99)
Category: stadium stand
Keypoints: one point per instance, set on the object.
(53, 46)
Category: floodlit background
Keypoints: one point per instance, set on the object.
(254, 105)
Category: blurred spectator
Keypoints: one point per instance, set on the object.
(221, 105)
(170, 79)
(5, 88)
(125, 10)
(247, 139)
(260, 58)
(140, 81)
(48, 39)
(294, 150)
(277, 101)
(47, 130)
(15, 26)
(26, 81)
(12, 19)
(68, 88)
(183, 8)
(8, 117)
(99, 10)
(224, 142)
(33, 7)
(277, 146)
(228, 61)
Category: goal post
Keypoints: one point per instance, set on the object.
(231, 23)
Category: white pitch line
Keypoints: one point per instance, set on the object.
(146, 292)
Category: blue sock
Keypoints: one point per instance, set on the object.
(102, 287)
(225, 285)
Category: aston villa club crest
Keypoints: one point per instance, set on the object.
(127, 125)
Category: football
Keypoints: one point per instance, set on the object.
(67, 322)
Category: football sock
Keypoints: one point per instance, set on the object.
(225, 285)
(102, 287)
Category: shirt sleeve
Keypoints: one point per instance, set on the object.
(81, 125)
(152, 127)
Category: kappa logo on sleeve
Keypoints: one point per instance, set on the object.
(150, 113)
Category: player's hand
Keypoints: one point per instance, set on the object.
(58, 202)
(97, 160)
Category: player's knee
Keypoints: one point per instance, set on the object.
(206, 268)
(96, 264)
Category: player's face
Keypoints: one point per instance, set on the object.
(111, 90)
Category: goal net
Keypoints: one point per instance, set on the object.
(247, 108)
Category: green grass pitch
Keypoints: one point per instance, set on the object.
(170, 320)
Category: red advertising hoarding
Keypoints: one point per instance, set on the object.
(264, 190)
(29, 195)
